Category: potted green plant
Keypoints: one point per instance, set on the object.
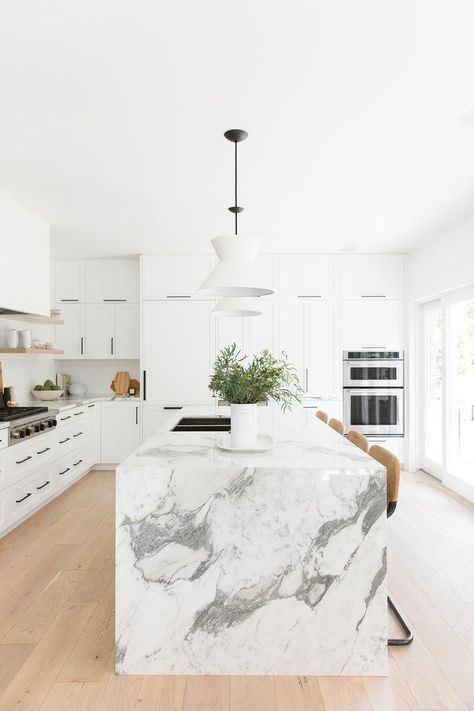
(243, 383)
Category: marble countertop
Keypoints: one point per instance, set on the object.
(67, 403)
(296, 444)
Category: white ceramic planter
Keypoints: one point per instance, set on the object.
(243, 426)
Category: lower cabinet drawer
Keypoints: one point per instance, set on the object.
(26, 458)
(26, 495)
(69, 467)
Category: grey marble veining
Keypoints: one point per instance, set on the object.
(266, 563)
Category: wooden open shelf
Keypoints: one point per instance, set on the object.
(34, 351)
(51, 320)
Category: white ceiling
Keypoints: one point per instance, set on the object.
(112, 114)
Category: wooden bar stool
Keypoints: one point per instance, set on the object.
(359, 440)
(336, 425)
(323, 416)
(392, 465)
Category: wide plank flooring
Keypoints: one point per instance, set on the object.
(57, 618)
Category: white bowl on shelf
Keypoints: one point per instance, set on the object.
(47, 394)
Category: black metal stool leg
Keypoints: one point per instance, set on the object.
(408, 638)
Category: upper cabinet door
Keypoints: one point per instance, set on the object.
(373, 275)
(174, 277)
(292, 335)
(127, 331)
(177, 352)
(310, 275)
(112, 280)
(323, 352)
(69, 281)
(70, 336)
(373, 324)
(99, 330)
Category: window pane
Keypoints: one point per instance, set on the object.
(462, 406)
(433, 386)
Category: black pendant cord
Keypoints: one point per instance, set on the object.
(236, 135)
(235, 185)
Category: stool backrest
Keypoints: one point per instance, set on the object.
(392, 465)
(322, 416)
(359, 440)
(336, 425)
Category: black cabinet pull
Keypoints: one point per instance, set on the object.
(144, 384)
(82, 346)
(112, 346)
(65, 418)
(114, 300)
(70, 300)
(136, 415)
(91, 405)
(43, 485)
(178, 296)
(78, 434)
(42, 451)
(18, 501)
(78, 413)
(23, 460)
(64, 472)
(76, 463)
(173, 407)
(62, 441)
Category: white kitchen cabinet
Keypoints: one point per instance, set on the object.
(119, 431)
(174, 276)
(112, 280)
(230, 330)
(177, 352)
(127, 331)
(292, 335)
(99, 331)
(92, 426)
(323, 352)
(70, 336)
(309, 335)
(307, 275)
(154, 417)
(373, 275)
(262, 331)
(376, 324)
(69, 281)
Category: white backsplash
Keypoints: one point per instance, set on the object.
(97, 375)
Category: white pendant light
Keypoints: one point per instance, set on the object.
(236, 307)
(236, 274)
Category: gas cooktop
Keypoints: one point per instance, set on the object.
(15, 413)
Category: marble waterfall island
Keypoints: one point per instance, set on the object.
(266, 563)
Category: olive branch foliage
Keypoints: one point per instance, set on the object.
(265, 377)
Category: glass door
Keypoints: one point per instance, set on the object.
(460, 391)
(432, 400)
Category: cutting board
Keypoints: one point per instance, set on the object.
(121, 383)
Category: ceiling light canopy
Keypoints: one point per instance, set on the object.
(236, 274)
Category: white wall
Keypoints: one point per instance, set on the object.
(443, 264)
(96, 375)
(25, 258)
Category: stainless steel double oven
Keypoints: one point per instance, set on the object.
(374, 392)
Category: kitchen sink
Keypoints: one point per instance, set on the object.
(202, 424)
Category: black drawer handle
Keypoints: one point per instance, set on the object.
(90, 405)
(77, 463)
(65, 418)
(18, 501)
(43, 485)
(114, 300)
(64, 472)
(23, 460)
(42, 451)
(78, 413)
(78, 434)
(62, 441)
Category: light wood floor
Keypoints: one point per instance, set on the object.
(57, 618)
